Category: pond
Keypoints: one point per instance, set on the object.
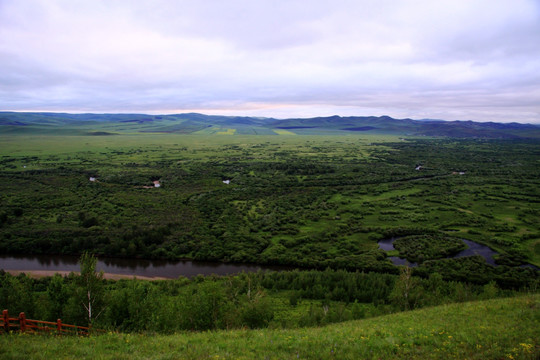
(473, 248)
(130, 267)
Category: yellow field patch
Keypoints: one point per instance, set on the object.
(283, 132)
(227, 132)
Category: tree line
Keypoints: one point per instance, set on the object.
(250, 300)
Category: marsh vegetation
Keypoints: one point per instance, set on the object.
(306, 202)
(318, 204)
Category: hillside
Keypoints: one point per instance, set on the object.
(494, 329)
(192, 123)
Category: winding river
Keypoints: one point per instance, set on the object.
(473, 248)
(129, 267)
(187, 268)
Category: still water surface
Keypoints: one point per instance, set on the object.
(473, 248)
(131, 267)
(187, 268)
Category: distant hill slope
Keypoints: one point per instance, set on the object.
(494, 329)
(193, 123)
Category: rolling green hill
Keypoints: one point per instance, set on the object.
(193, 123)
(494, 329)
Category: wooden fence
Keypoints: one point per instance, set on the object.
(22, 324)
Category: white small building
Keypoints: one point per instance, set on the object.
(157, 184)
(93, 179)
(227, 182)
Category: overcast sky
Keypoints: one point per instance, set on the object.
(457, 59)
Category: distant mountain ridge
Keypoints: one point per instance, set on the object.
(195, 123)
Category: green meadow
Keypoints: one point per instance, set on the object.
(493, 329)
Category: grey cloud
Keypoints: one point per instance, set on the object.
(473, 58)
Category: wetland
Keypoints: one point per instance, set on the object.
(242, 207)
(309, 202)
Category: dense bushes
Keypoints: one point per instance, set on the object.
(474, 269)
(418, 248)
(312, 204)
(288, 298)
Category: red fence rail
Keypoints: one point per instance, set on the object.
(22, 324)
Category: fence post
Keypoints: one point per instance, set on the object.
(22, 320)
(59, 326)
(6, 321)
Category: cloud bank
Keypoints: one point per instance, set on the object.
(458, 59)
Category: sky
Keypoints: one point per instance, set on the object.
(446, 59)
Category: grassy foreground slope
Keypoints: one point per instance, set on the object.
(494, 329)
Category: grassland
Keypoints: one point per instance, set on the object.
(495, 329)
(113, 124)
(283, 132)
(226, 132)
(312, 202)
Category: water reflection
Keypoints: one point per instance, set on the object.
(473, 249)
(477, 249)
(39, 262)
(387, 244)
(130, 267)
(401, 261)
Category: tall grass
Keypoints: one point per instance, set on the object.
(494, 329)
